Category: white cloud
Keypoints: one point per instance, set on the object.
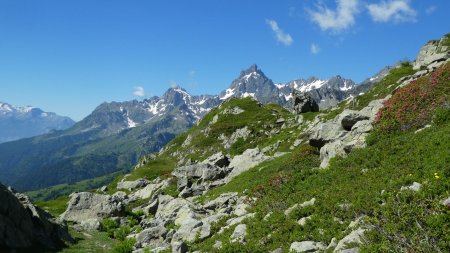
(392, 10)
(281, 36)
(430, 9)
(139, 91)
(315, 49)
(336, 20)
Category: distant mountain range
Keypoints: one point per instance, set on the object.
(116, 134)
(22, 122)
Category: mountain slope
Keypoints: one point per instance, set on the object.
(116, 134)
(111, 138)
(23, 122)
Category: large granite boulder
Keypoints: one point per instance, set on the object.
(303, 102)
(25, 226)
(87, 208)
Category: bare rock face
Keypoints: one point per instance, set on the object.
(24, 225)
(433, 51)
(303, 102)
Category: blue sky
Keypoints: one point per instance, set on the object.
(70, 56)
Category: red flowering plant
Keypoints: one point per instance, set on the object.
(413, 106)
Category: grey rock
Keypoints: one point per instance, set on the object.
(239, 233)
(149, 190)
(24, 225)
(217, 245)
(151, 236)
(303, 220)
(355, 237)
(307, 203)
(303, 102)
(224, 200)
(349, 118)
(179, 247)
(433, 51)
(325, 133)
(234, 110)
(307, 246)
(104, 188)
(278, 250)
(89, 206)
(446, 202)
(247, 160)
(414, 187)
(218, 159)
(131, 185)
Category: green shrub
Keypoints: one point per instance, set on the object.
(109, 226)
(122, 232)
(125, 246)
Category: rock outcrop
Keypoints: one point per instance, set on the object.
(303, 102)
(433, 52)
(24, 225)
(348, 130)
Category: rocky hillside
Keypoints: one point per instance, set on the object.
(24, 226)
(23, 122)
(116, 134)
(369, 175)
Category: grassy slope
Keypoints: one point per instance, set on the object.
(403, 221)
(348, 189)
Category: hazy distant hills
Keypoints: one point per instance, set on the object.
(116, 134)
(22, 122)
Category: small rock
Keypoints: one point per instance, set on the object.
(217, 245)
(355, 237)
(414, 187)
(307, 246)
(239, 233)
(303, 220)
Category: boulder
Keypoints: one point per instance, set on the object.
(247, 160)
(218, 159)
(90, 206)
(131, 185)
(239, 233)
(179, 247)
(151, 236)
(307, 246)
(349, 118)
(325, 133)
(303, 102)
(150, 190)
(355, 237)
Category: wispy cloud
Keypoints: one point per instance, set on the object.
(280, 35)
(430, 9)
(139, 91)
(335, 20)
(173, 84)
(315, 49)
(393, 10)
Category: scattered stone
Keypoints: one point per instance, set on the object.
(290, 209)
(131, 185)
(104, 188)
(239, 233)
(308, 203)
(217, 245)
(151, 236)
(303, 220)
(278, 250)
(446, 202)
(414, 187)
(355, 237)
(235, 110)
(307, 246)
(349, 118)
